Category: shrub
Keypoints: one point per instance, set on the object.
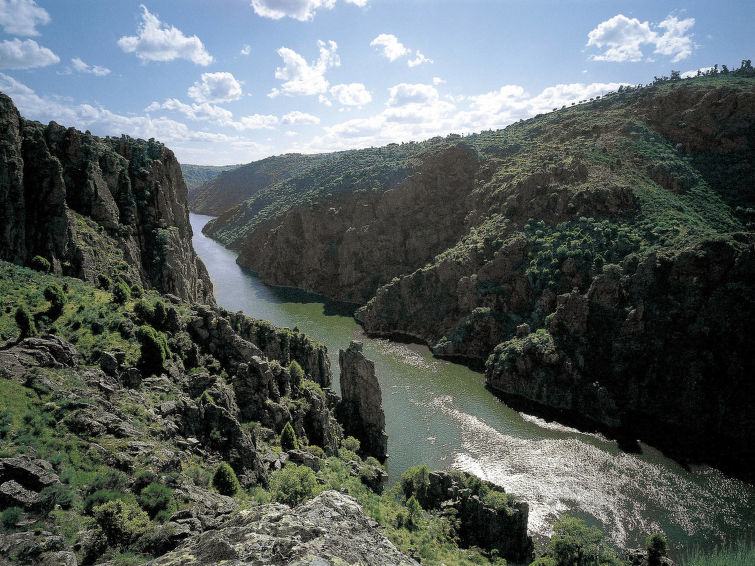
(136, 291)
(144, 311)
(6, 421)
(297, 373)
(58, 494)
(154, 349)
(225, 480)
(104, 281)
(155, 498)
(123, 522)
(415, 511)
(657, 547)
(57, 298)
(10, 517)
(498, 500)
(576, 544)
(142, 480)
(415, 482)
(24, 322)
(288, 438)
(40, 264)
(199, 475)
(121, 292)
(293, 484)
(160, 315)
(99, 497)
(351, 443)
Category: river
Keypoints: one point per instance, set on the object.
(439, 413)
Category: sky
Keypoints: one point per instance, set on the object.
(232, 81)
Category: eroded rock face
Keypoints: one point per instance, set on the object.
(330, 529)
(86, 203)
(361, 406)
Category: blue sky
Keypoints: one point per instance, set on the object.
(230, 81)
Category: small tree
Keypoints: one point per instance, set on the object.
(415, 511)
(657, 547)
(154, 349)
(155, 499)
(121, 292)
(57, 298)
(225, 480)
(297, 373)
(293, 484)
(160, 314)
(25, 323)
(123, 522)
(40, 264)
(351, 443)
(10, 517)
(104, 281)
(288, 438)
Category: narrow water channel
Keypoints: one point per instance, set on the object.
(440, 414)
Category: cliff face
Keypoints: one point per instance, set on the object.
(91, 206)
(348, 246)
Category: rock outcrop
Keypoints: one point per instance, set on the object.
(329, 529)
(361, 406)
(93, 206)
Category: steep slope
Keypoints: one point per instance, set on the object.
(197, 175)
(92, 206)
(602, 253)
(233, 187)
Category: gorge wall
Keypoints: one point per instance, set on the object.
(94, 206)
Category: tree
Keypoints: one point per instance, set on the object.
(225, 480)
(154, 349)
(121, 292)
(657, 547)
(415, 511)
(288, 438)
(297, 373)
(24, 322)
(293, 484)
(57, 298)
(123, 522)
(40, 264)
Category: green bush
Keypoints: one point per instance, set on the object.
(57, 298)
(6, 421)
(136, 291)
(142, 479)
(657, 548)
(415, 482)
(288, 438)
(415, 511)
(10, 517)
(99, 497)
(351, 443)
(160, 315)
(225, 480)
(154, 349)
(40, 264)
(574, 543)
(155, 498)
(25, 322)
(104, 282)
(123, 522)
(297, 373)
(144, 311)
(293, 484)
(58, 494)
(121, 292)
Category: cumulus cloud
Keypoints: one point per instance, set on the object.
(302, 10)
(300, 118)
(155, 41)
(302, 78)
(438, 81)
(246, 50)
(693, 72)
(216, 87)
(404, 93)
(17, 54)
(418, 59)
(201, 111)
(82, 67)
(390, 46)
(352, 94)
(623, 39)
(21, 17)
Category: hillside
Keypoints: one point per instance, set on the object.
(95, 208)
(233, 187)
(598, 258)
(197, 175)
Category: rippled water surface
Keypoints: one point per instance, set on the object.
(440, 414)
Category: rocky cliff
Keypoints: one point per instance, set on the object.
(361, 406)
(93, 206)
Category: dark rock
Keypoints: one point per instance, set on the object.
(304, 458)
(361, 407)
(13, 494)
(32, 473)
(109, 364)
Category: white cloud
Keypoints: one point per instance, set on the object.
(21, 17)
(17, 54)
(202, 111)
(301, 10)
(216, 87)
(438, 81)
(300, 118)
(390, 45)
(246, 50)
(82, 67)
(693, 72)
(255, 122)
(418, 60)
(404, 93)
(158, 42)
(302, 78)
(360, 3)
(353, 94)
(622, 39)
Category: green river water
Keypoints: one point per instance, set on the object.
(439, 413)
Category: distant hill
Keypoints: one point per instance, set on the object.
(599, 259)
(233, 187)
(196, 175)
